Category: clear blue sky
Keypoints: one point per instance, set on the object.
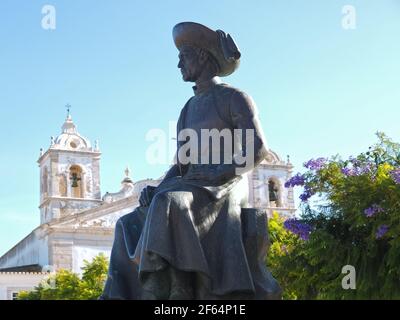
(320, 89)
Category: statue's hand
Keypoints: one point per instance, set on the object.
(146, 196)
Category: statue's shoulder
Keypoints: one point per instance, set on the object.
(230, 90)
(233, 94)
(225, 92)
(227, 89)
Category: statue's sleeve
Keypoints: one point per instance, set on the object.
(244, 115)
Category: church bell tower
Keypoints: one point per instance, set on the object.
(69, 174)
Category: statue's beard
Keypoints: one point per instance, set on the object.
(190, 75)
(187, 77)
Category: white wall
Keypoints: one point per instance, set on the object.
(81, 253)
(14, 282)
(31, 250)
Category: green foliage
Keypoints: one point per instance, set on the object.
(65, 285)
(355, 221)
(282, 244)
(93, 277)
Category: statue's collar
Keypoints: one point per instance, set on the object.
(205, 85)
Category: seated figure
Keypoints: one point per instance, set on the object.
(194, 236)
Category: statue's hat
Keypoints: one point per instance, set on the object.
(220, 44)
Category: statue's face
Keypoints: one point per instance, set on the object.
(189, 63)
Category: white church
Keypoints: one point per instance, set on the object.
(77, 222)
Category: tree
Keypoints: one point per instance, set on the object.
(66, 285)
(354, 221)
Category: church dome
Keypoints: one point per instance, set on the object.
(70, 139)
(272, 158)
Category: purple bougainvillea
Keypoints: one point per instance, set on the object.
(373, 210)
(297, 180)
(354, 161)
(301, 229)
(382, 230)
(315, 164)
(307, 194)
(348, 172)
(358, 170)
(395, 174)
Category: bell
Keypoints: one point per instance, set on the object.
(272, 195)
(74, 180)
(273, 192)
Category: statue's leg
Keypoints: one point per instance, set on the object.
(182, 285)
(169, 242)
(122, 281)
(168, 284)
(156, 285)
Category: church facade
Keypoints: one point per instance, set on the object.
(77, 222)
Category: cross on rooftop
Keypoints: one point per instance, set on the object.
(68, 106)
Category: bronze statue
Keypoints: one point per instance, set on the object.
(193, 236)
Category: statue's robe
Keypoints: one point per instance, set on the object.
(200, 226)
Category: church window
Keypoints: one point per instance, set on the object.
(74, 143)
